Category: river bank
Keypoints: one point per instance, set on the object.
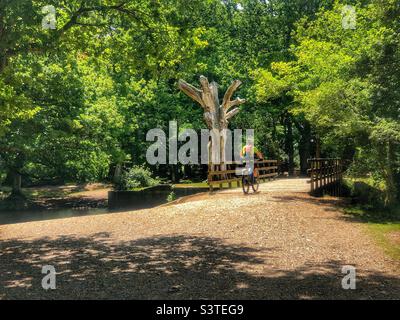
(57, 197)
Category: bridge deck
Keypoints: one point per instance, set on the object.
(279, 185)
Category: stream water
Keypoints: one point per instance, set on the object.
(11, 217)
(38, 215)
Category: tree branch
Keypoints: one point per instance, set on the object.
(73, 20)
(232, 113)
(41, 47)
(235, 103)
(191, 91)
(228, 95)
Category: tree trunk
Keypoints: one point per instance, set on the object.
(117, 173)
(289, 144)
(304, 146)
(188, 172)
(216, 116)
(175, 173)
(16, 184)
(318, 147)
(3, 62)
(391, 188)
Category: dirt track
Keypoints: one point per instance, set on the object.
(279, 243)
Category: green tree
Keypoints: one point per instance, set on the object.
(341, 81)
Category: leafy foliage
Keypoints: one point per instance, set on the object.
(136, 177)
(76, 102)
(334, 83)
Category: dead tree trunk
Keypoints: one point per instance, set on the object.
(216, 115)
(16, 184)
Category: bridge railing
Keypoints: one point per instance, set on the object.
(218, 178)
(326, 176)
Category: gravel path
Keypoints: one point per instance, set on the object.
(272, 245)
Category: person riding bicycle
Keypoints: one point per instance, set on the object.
(249, 153)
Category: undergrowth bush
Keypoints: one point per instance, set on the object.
(136, 177)
(366, 192)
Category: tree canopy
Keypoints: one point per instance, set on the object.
(76, 101)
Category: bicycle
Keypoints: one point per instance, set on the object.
(249, 179)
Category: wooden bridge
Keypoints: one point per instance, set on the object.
(267, 170)
(325, 177)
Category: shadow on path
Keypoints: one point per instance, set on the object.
(170, 267)
(350, 212)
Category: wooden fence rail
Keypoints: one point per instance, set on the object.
(326, 176)
(267, 169)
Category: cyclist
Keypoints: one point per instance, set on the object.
(248, 154)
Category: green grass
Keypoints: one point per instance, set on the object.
(367, 180)
(37, 193)
(384, 226)
(191, 185)
(382, 234)
(49, 192)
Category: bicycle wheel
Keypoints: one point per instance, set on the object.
(245, 185)
(255, 185)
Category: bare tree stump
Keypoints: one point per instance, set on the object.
(216, 115)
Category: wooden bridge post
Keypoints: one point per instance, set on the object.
(311, 162)
(326, 176)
